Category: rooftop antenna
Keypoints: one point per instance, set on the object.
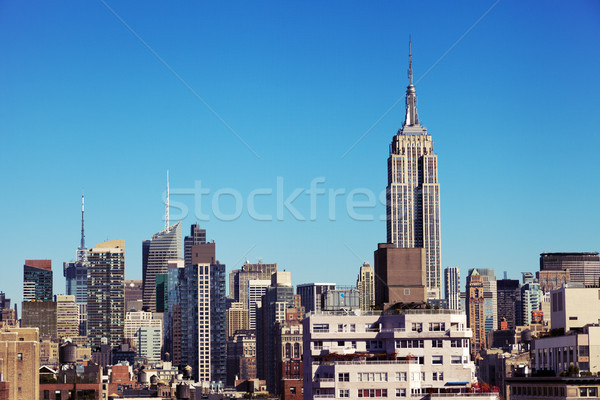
(82, 219)
(167, 204)
(410, 72)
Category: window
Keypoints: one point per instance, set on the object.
(572, 318)
(344, 393)
(354, 344)
(293, 389)
(20, 356)
(400, 392)
(341, 343)
(437, 360)
(321, 328)
(455, 359)
(352, 327)
(406, 292)
(417, 327)
(437, 326)
(372, 392)
(374, 344)
(588, 392)
(400, 376)
(437, 343)
(421, 360)
(438, 376)
(344, 377)
(409, 344)
(318, 345)
(372, 377)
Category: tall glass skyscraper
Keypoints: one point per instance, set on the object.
(156, 252)
(413, 191)
(37, 280)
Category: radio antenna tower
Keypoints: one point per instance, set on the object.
(167, 204)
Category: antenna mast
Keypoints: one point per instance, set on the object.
(82, 223)
(167, 204)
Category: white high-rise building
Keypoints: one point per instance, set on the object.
(452, 287)
(256, 289)
(426, 351)
(413, 192)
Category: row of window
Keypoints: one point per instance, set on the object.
(415, 327)
(400, 392)
(383, 376)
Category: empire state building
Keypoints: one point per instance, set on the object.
(413, 191)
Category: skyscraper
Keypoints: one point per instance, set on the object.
(366, 286)
(238, 279)
(37, 280)
(106, 293)
(490, 298)
(156, 252)
(413, 191)
(509, 296)
(475, 311)
(202, 302)
(452, 287)
(583, 267)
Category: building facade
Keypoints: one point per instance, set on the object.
(366, 286)
(490, 298)
(106, 293)
(156, 252)
(67, 316)
(509, 295)
(413, 192)
(475, 305)
(452, 287)
(311, 295)
(406, 355)
(583, 267)
(20, 355)
(37, 280)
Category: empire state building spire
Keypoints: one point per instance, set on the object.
(412, 118)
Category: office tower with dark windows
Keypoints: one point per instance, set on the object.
(366, 286)
(413, 192)
(452, 287)
(156, 253)
(106, 293)
(583, 267)
(197, 236)
(475, 311)
(509, 295)
(202, 300)
(37, 280)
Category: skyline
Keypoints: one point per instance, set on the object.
(86, 105)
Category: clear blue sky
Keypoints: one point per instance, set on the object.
(85, 105)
